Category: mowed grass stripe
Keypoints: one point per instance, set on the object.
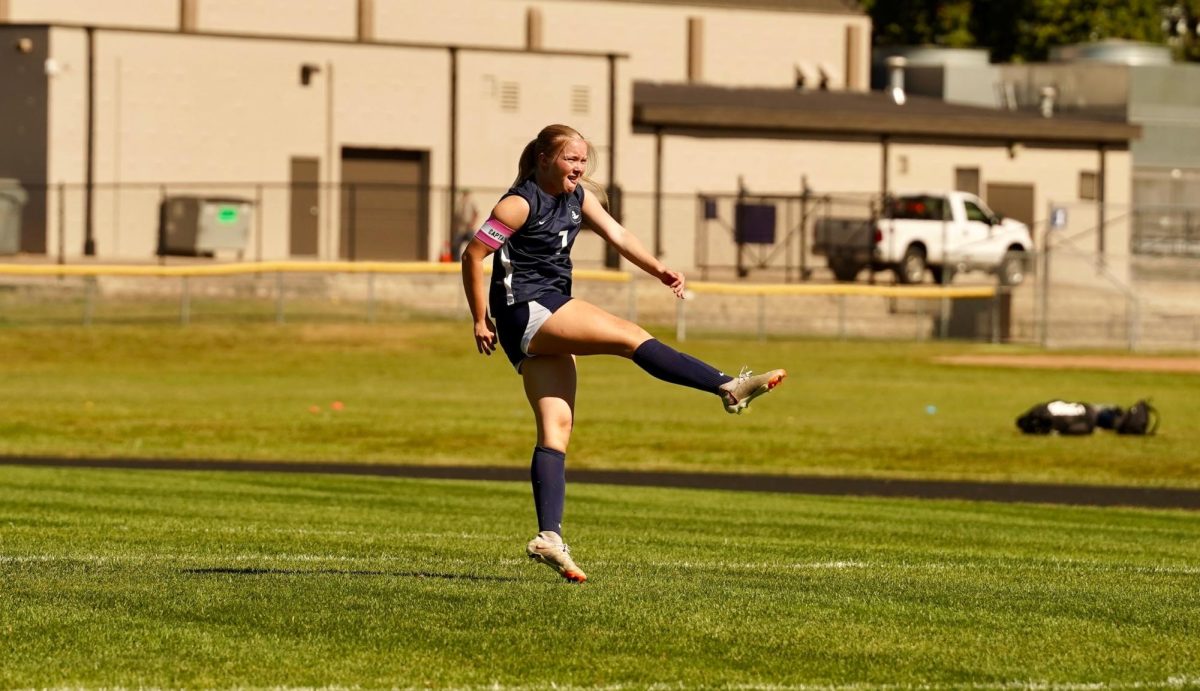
(418, 394)
(130, 578)
(322, 559)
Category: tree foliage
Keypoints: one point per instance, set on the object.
(1026, 30)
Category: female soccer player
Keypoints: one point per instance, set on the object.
(542, 328)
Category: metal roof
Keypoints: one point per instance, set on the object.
(836, 113)
(818, 6)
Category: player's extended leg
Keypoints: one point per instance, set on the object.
(550, 388)
(581, 328)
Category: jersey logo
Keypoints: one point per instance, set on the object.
(574, 214)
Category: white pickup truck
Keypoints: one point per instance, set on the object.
(944, 232)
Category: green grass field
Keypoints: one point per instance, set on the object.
(418, 393)
(218, 580)
(161, 579)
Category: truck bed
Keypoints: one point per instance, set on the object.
(844, 237)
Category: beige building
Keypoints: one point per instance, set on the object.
(350, 124)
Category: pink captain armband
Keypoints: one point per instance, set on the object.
(493, 233)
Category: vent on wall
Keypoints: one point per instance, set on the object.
(581, 100)
(510, 96)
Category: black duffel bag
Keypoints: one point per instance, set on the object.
(1077, 418)
(1060, 417)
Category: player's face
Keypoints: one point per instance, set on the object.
(567, 169)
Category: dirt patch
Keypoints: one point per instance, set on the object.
(1115, 363)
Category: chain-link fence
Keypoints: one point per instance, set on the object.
(1091, 282)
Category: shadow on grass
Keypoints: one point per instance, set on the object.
(344, 572)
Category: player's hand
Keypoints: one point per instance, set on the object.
(485, 336)
(673, 280)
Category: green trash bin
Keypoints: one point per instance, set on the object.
(12, 204)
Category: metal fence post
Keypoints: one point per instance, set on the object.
(1044, 297)
(278, 297)
(632, 299)
(89, 295)
(680, 320)
(996, 302)
(353, 214)
(944, 319)
(1135, 319)
(185, 303)
(258, 226)
(371, 296)
(841, 316)
(162, 225)
(762, 317)
(62, 225)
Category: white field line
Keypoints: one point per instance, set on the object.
(927, 566)
(1172, 682)
(192, 559)
(253, 530)
(705, 565)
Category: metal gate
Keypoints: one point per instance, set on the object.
(771, 235)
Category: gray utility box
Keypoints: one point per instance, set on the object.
(200, 226)
(12, 205)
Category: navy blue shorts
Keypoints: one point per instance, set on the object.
(516, 324)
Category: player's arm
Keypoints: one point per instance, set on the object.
(509, 214)
(627, 244)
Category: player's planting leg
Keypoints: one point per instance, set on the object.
(548, 473)
(550, 388)
(549, 549)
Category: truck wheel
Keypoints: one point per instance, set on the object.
(845, 271)
(942, 275)
(912, 267)
(1012, 268)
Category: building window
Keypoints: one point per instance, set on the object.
(1087, 185)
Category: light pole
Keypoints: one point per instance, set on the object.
(307, 70)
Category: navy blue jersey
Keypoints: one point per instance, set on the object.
(537, 258)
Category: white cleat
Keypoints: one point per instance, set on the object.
(737, 393)
(549, 549)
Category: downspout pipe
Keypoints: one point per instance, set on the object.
(89, 240)
(453, 148)
(612, 259)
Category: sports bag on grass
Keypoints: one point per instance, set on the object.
(1141, 418)
(1076, 418)
(1061, 417)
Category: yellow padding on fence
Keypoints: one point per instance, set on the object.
(265, 267)
(843, 289)
(453, 268)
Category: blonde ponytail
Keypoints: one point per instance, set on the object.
(527, 163)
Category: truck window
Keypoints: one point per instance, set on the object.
(922, 208)
(974, 213)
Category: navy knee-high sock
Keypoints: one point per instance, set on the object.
(548, 471)
(672, 366)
